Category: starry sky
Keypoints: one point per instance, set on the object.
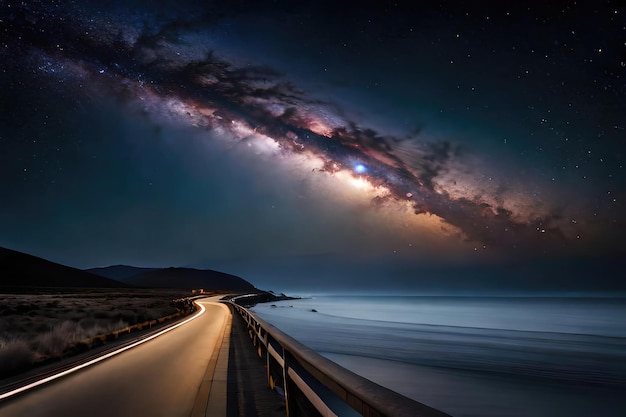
(337, 144)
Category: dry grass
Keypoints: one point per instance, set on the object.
(36, 328)
(15, 356)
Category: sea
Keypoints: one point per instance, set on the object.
(473, 356)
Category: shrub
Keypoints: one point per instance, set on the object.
(87, 323)
(77, 348)
(15, 357)
(42, 327)
(52, 343)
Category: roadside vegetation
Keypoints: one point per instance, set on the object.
(39, 328)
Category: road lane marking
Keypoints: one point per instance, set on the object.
(98, 359)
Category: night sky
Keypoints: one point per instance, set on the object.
(336, 144)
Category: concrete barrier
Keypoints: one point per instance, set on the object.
(315, 386)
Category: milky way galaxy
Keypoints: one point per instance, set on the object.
(476, 181)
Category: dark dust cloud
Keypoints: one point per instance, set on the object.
(437, 146)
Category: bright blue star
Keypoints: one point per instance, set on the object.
(360, 169)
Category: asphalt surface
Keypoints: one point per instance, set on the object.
(161, 377)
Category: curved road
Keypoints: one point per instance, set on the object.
(158, 378)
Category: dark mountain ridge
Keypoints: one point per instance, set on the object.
(189, 278)
(118, 272)
(19, 269)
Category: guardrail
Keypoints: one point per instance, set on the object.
(315, 386)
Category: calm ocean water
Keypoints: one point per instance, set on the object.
(474, 356)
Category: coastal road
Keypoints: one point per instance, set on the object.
(161, 377)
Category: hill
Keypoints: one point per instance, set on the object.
(188, 278)
(118, 272)
(22, 270)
